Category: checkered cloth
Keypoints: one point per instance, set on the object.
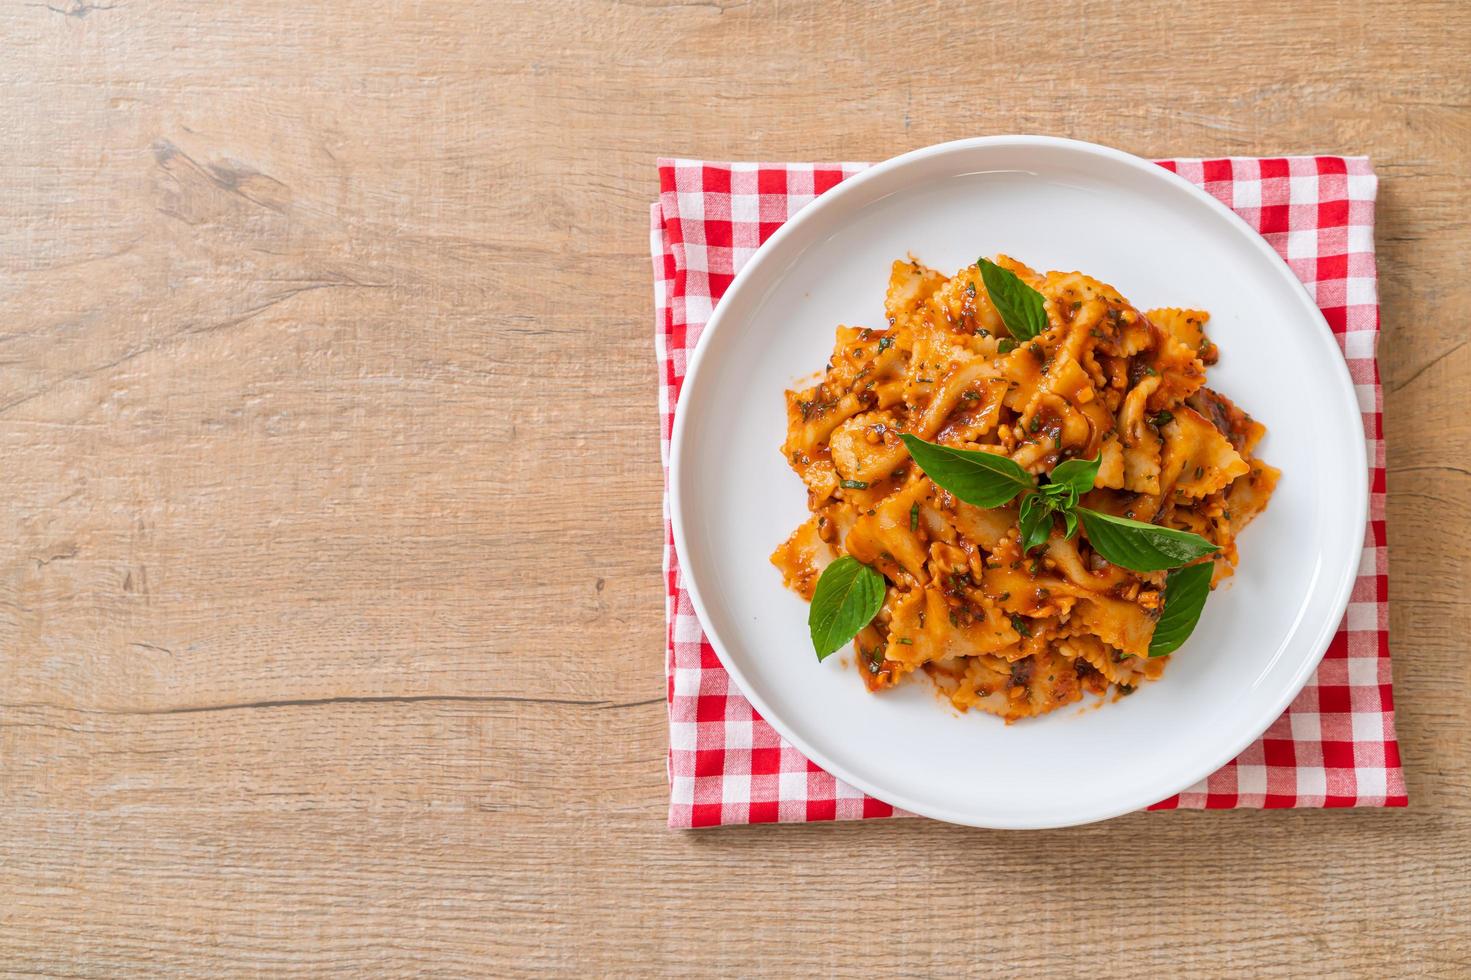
(1334, 747)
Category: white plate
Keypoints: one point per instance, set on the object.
(1054, 204)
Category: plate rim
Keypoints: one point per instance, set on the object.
(1337, 366)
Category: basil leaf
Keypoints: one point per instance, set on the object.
(1021, 306)
(1077, 475)
(1186, 590)
(1060, 494)
(1070, 520)
(1029, 504)
(1141, 547)
(1036, 521)
(848, 595)
(979, 478)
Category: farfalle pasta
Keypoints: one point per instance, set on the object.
(997, 627)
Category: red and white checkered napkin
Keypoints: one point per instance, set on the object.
(1335, 746)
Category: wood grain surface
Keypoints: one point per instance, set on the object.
(330, 609)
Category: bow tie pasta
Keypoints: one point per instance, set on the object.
(1010, 632)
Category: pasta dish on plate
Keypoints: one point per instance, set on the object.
(1021, 487)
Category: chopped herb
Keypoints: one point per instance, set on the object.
(1125, 690)
(1199, 472)
(1036, 349)
(970, 396)
(1149, 370)
(1005, 596)
(1036, 424)
(1020, 625)
(1006, 346)
(1161, 418)
(853, 485)
(1077, 303)
(914, 517)
(906, 641)
(970, 288)
(885, 343)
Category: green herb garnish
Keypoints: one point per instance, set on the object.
(853, 485)
(1141, 547)
(1035, 521)
(848, 595)
(990, 480)
(1186, 590)
(979, 478)
(1021, 307)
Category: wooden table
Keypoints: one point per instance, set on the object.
(331, 619)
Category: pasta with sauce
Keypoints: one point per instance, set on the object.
(1013, 633)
